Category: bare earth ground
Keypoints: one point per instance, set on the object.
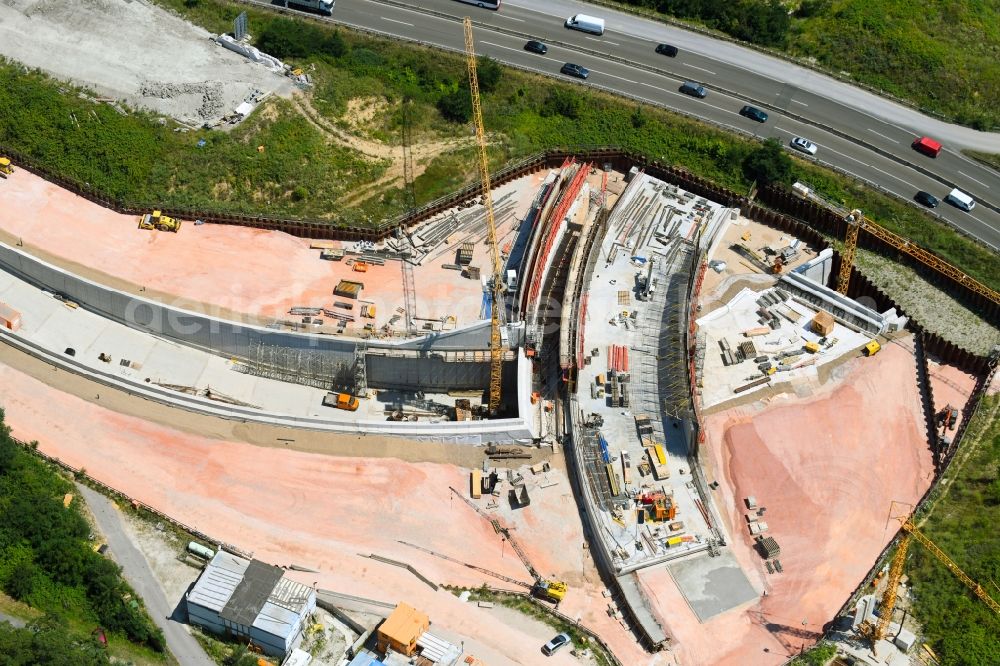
(233, 272)
(826, 464)
(135, 52)
(325, 512)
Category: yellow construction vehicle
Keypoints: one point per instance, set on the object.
(871, 348)
(812, 347)
(344, 401)
(550, 590)
(5, 168)
(159, 221)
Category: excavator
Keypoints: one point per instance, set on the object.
(159, 221)
(5, 168)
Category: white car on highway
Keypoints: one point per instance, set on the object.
(805, 145)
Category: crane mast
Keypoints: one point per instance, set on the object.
(854, 222)
(888, 602)
(496, 349)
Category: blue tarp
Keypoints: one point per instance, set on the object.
(486, 309)
(365, 659)
(605, 454)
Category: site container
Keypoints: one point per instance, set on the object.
(9, 317)
(196, 548)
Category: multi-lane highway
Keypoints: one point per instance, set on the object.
(856, 131)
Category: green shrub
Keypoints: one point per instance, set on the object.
(456, 106)
(488, 74)
(564, 102)
(54, 565)
(768, 163)
(285, 38)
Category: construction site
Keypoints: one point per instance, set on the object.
(592, 381)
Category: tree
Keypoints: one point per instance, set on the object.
(768, 163)
(22, 580)
(488, 72)
(456, 106)
(284, 38)
(46, 642)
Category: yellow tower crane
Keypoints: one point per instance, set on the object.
(888, 602)
(856, 221)
(496, 345)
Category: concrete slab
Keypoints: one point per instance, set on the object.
(730, 322)
(651, 222)
(712, 585)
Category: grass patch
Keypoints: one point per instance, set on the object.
(988, 159)
(307, 169)
(962, 521)
(537, 611)
(819, 655)
(942, 55)
(226, 653)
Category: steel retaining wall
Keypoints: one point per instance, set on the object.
(790, 208)
(828, 222)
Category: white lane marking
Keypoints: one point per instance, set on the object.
(511, 18)
(595, 39)
(863, 163)
(511, 48)
(701, 68)
(395, 21)
(614, 76)
(883, 136)
(795, 101)
(650, 85)
(974, 180)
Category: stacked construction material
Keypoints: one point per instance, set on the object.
(618, 358)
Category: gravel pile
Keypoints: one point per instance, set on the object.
(929, 305)
(134, 52)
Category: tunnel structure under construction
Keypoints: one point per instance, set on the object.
(405, 327)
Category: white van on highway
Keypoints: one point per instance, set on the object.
(960, 199)
(585, 23)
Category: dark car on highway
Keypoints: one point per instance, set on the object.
(667, 50)
(536, 47)
(693, 89)
(575, 70)
(927, 199)
(753, 113)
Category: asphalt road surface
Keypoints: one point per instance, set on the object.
(857, 132)
(137, 572)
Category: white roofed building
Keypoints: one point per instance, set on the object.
(251, 600)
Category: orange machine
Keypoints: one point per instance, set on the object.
(658, 506)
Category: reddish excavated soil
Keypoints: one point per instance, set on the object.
(327, 512)
(826, 467)
(224, 270)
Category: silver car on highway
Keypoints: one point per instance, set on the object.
(805, 145)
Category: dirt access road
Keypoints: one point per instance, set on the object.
(167, 615)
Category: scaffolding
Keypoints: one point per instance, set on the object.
(360, 367)
(310, 367)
